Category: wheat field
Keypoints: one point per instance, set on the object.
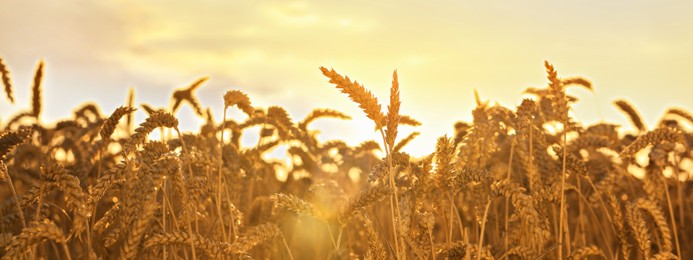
(525, 182)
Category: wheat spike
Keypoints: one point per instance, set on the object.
(359, 94)
(10, 139)
(407, 120)
(650, 138)
(405, 141)
(110, 124)
(31, 236)
(393, 112)
(376, 250)
(639, 228)
(445, 150)
(584, 252)
(665, 256)
(578, 81)
(75, 197)
(207, 246)
(139, 227)
(659, 219)
(36, 95)
(130, 103)
(4, 174)
(240, 100)
(158, 119)
(681, 113)
(365, 198)
(255, 236)
(321, 113)
(557, 90)
(297, 205)
(187, 95)
(281, 116)
(6, 81)
(632, 114)
(525, 116)
(108, 178)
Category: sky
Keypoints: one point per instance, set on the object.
(272, 50)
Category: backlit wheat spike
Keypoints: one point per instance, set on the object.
(681, 113)
(297, 205)
(158, 119)
(376, 249)
(525, 116)
(585, 252)
(660, 221)
(445, 150)
(359, 94)
(632, 114)
(253, 237)
(578, 81)
(393, 112)
(187, 95)
(650, 138)
(4, 175)
(136, 231)
(520, 251)
(639, 229)
(383, 167)
(406, 140)
(131, 103)
(457, 250)
(107, 219)
(6, 81)
(620, 226)
(75, 197)
(665, 256)
(588, 142)
(31, 236)
(10, 139)
(556, 89)
(278, 113)
(407, 120)
(183, 239)
(36, 95)
(365, 198)
(479, 102)
(150, 109)
(108, 178)
(110, 124)
(367, 146)
(239, 99)
(88, 108)
(36, 193)
(468, 175)
(321, 113)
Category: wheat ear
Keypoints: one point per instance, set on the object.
(36, 95)
(6, 81)
(357, 93)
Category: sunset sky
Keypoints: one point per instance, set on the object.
(272, 50)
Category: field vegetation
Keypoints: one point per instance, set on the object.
(524, 182)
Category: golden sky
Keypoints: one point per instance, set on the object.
(94, 51)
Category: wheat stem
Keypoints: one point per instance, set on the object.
(483, 226)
